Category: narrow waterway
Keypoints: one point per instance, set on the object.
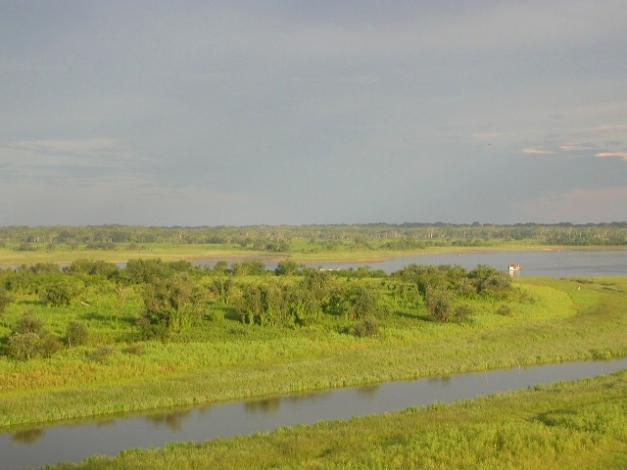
(74, 442)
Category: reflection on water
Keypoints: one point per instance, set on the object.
(368, 390)
(173, 420)
(267, 406)
(28, 436)
(441, 380)
(72, 442)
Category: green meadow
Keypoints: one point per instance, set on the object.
(162, 334)
(580, 424)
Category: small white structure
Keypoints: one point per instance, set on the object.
(514, 269)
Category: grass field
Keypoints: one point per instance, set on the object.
(225, 360)
(579, 424)
(300, 253)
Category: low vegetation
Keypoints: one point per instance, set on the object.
(157, 334)
(570, 425)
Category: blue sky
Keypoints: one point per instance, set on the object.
(242, 112)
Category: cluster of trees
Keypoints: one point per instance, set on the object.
(283, 238)
(178, 296)
(30, 338)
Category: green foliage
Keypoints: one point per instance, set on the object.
(504, 310)
(171, 304)
(462, 313)
(5, 299)
(364, 304)
(287, 268)
(28, 323)
(30, 339)
(56, 294)
(439, 304)
(248, 268)
(94, 268)
(295, 336)
(102, 354)
(488, 280)
(76, 334)
(569, 425)
(366, 327)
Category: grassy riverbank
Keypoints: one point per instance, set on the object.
(578, 424)
(300, 253)
(225, 360)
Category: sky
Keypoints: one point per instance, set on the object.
(294, 112)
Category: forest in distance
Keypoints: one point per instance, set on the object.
(313, 238)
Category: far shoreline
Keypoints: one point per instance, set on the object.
(200, 254)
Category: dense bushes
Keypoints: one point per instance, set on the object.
(171, 304)
(483, 280)
(56, 294)
(30, 339)
(177, 296)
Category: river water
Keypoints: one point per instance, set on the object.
(74, 442)
(534, 263)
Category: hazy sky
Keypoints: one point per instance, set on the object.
(241, 112)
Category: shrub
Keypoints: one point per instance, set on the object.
(504, 310)
(170, 304)
(364, 303)
(25, 346)
(286, 268)
(366, 327)
(5, 299)
(102, 354)
(462, 313)
(439, 304)
(29, 324)
(56, 295)
(76, 334)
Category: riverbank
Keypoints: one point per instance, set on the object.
(569, 425)
(212, 253)
(565, 322)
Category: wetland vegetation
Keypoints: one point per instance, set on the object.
(569, 425)
(305, 243)
(95, 339)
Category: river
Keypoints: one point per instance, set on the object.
(109, 436)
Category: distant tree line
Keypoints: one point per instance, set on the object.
(303, 238)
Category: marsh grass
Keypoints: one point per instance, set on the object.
(569, 425)
(222, 359)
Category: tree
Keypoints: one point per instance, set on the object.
(30, 339)
(171, 304)
(56, 295)
(287, 268)
(76, 334)
(366, 327)
(462, 313)
(364, 303)
(439, 304)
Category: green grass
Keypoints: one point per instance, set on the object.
(301, 252)
(579, 424)
(224, 360)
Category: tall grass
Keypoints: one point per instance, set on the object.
(224, 360)
(570, 425)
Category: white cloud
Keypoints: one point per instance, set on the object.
(579, 205)
(537, 151)
(620, 154)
